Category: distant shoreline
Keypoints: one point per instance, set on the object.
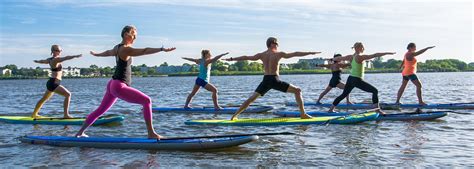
(234, 73)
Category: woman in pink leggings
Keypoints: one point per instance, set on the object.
(119, 85)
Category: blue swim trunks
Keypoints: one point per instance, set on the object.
(201, 82)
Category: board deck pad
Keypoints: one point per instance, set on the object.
(350, 119)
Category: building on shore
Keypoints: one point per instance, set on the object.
(69, 71)
(369, 64)
(285, 66)
(5, 72)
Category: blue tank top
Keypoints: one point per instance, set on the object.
(204, 71)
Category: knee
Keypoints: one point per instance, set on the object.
(44, 99)
(68, 95)
(298, 91)
(215, 91)
(419, 86)
(147, 101)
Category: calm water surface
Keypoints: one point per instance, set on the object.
(445, 142)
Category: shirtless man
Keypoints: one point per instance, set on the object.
(271, 64)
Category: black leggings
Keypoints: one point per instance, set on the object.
(362, 85)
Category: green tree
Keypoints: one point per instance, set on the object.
(86, 71)
(12, 67)
(301, 65)
(378, 62)
(194, 68)
(392, 64)
(242, 65)
(107, 71)
(255, 66)
(233, 68)
(151, 71)
(164, 64)
(219, 65)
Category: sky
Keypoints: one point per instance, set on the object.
(241, 27)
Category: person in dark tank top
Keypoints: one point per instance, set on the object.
(54, 83)
(336, 70)
(120, 86)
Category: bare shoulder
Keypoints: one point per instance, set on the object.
(260, 55)
(55, 60)
(280, 54)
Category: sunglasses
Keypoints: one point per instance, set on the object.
(56, 50)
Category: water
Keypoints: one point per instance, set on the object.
(445, 142)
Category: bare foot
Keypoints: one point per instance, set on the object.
(398, 103)
(380, 112)
(154, 136)
(234, 117)
(187, 107)
(82, 135)
(318, 102)
(422, 104)
(37, 116)
(349, 102)
(217, 108)
(305, 116)
(67, 116)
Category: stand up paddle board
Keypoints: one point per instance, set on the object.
(349, 119)
(190, 143)
(398, 116)
(58, 121)
(391, 105)
(224, 110)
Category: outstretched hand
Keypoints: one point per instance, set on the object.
(168, 49)
(313, 53)
(390, 53)
(80, 55)
(431, 47)
(93, 53)
(225, 53)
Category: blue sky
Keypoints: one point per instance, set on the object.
(29, 28)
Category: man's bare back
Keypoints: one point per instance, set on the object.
(271, 62)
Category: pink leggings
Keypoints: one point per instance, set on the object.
(118, 89)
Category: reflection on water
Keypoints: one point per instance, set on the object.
(445, 142)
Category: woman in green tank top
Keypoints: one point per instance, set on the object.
(356, 78)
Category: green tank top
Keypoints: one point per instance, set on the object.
(357, 69)
(204, 71)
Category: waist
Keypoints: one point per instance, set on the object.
(52, 78)
(56, 75)
(266, 77)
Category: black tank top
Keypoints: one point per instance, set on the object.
(57, 69)
(336, 74)
(123, 70)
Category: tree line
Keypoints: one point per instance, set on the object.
(443, 65)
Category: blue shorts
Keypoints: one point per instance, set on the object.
(201, 82)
